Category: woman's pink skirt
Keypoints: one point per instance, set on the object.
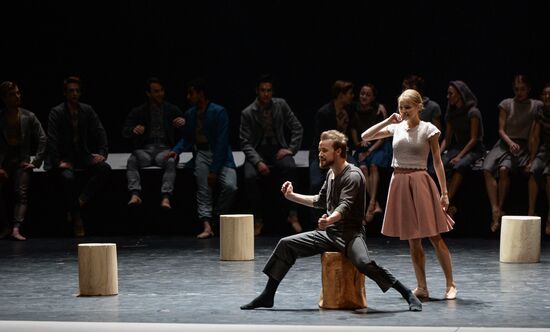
(413, 209)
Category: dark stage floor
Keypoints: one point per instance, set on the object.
(182, 280)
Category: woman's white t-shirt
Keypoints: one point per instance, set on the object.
(410, 145)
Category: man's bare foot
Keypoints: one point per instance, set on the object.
(206, 232)
(15, 234)
(165, 203)
(205, 235)
(134, 200)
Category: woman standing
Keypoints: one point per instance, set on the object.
(415, 209)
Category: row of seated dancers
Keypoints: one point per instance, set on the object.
(270, 134)
(523, 128)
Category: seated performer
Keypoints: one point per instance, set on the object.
(268, 152)
(20, 130)
(76, 140)
(510, 154)
(463, 142)
(154, 127)
(340, 229)
(206, 133)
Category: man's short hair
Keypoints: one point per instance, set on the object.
(414, 82)
(339, 141)
(265, 78)
(372, 88)
(199, 85)
(72, 79)
(6, 87)
(340, 87)
(150, 81)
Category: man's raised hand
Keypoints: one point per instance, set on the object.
(287, 189)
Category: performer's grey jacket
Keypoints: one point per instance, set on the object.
(32, 135)
(344, 193)
(251, 131)
(141, 115)
(92, 137)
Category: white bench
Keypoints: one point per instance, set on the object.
(117, 161)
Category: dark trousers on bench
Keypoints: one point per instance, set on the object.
(98, 177)
(20, 180)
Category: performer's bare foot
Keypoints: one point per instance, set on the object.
(15, 234)
(370, 215)
(374, 209)
(165, 203)
(134, 200)
(207, 231)
(495, 225)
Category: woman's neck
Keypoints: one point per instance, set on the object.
(413, 122)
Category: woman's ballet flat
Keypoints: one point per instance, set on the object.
(421, 293)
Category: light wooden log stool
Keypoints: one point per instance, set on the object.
(236, 237)
(343, 284)
(520, 239)
(97, 269)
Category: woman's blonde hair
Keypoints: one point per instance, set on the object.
(413, 96)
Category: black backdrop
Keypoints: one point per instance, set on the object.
(115, 45)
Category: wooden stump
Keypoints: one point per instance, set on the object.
(97, 269)
(520, 239)
(343, 285)
(236, 237)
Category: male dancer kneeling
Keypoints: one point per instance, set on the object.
(343, 195)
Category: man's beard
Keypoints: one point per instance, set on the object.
(326, 165)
